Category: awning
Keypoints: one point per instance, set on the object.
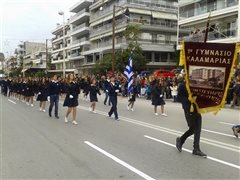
(107, 34)
(139, 11)
(162, 15)
(99, 21)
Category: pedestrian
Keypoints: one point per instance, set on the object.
(113, 90)
(132, 97)
(71, 99)
(194, 121)
(236, 93)
(42, 94)
(93, 91)
(236, 130)
(29, 91)
(106, 84)
(54, 91)
(157, 97)
(174, 91)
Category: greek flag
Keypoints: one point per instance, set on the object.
(129, 74)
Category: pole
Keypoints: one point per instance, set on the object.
(64, 63)
(46, 53)
(113, 40)
(207, 28)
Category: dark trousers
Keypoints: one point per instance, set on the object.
(194, 121)
(106, 98)
(54, 99)
(113, 109)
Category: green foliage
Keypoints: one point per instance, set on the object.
(16, 72)
(40, 73)
(131, 34)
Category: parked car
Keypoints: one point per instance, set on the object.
(164, 73)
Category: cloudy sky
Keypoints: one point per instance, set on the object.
(29, 20)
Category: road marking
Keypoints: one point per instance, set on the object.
(230, 124)
(187, 150)
(170, 131)
(219, 133)
(119, 161)
(12, 101)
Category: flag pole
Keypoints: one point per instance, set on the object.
(207, 28)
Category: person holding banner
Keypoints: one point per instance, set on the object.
(194, 121)
(132, 97)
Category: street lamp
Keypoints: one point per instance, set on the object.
(61, 13)
(126, 13)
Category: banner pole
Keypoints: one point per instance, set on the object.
(207, 27)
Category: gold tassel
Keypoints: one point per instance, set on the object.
(191, 108)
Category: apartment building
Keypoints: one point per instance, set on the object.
(60, 48)
(223, 17)
(32, 56)
(79, 25)
(88, 33)
(158, 26)
(10, 64)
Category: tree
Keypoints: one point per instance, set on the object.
(131, 34)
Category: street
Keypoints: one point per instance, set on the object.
(139, 146)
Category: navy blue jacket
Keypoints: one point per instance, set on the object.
(54, 88)
(111, 89)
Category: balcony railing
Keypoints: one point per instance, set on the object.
(214, 35)
(80, 40)
(186, 12)
(79, 27)
(122, 22)
(154, 4)
(78, 14)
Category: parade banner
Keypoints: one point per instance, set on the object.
(208, 68)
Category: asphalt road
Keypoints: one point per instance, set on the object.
(139, 146)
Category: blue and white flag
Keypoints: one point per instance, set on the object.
(129, 74)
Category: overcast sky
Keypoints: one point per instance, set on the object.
(29, 20)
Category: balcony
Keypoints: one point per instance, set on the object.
(80, 30)
(76, 56)
(80, 17)
(190, 11)
(82, 4)
(80, 42)
(226, 35)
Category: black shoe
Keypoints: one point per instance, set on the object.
(235, 131)
(117, 119)
(104, 104)
(57, 117)
(50, 115)
(179, 144)
(109, 115)
(198, 152)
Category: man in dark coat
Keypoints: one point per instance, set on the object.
(194, 121)
(54, 89)
(113, 90)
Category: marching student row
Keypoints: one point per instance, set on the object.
(25, 90)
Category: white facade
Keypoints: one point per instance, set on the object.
(80, 43)
(224, 21)
(60, 48)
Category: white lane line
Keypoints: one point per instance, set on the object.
(12, 101)
(173, 132)
(187, 150)
(230, 124)
(219, 133)
(119, 161)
